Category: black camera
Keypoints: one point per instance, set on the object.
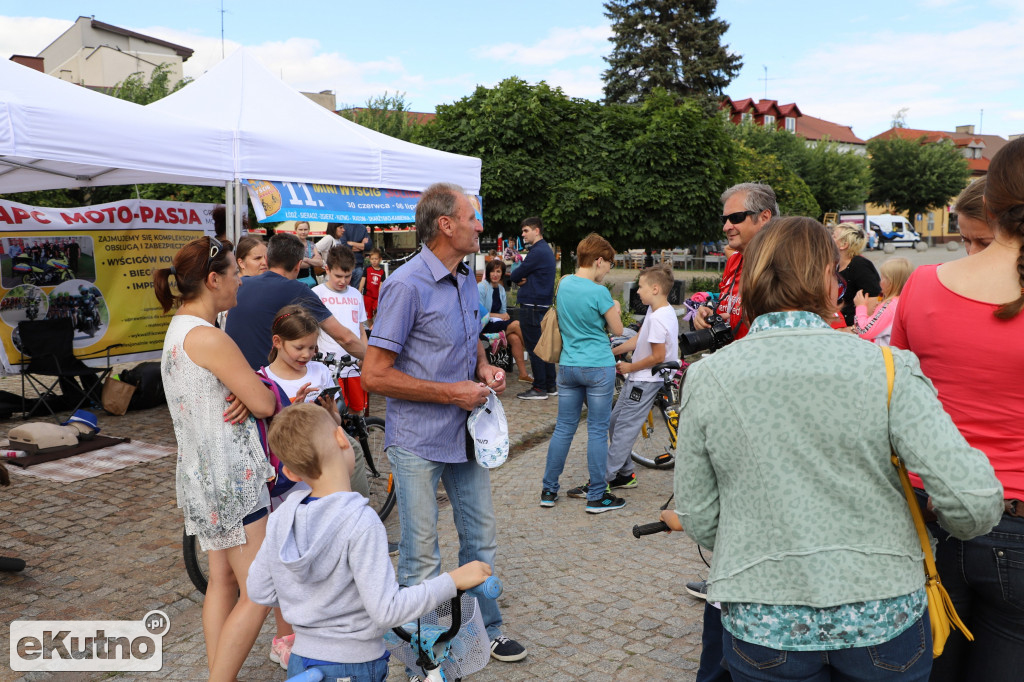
(717, 335)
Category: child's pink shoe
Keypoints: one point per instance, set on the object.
(281, 650)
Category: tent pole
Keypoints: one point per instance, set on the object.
(241, 208)
(229, 207)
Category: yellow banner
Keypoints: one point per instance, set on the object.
(93, 265)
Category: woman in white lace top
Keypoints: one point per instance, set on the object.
(222, 471)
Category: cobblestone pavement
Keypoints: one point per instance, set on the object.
(587, 599)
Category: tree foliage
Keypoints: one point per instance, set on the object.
(638, 175)
(670, 44)
(135, 88)
(388, 114)
(792, 193)
(837, 180)
(915, 176)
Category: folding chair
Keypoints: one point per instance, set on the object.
(48, 347)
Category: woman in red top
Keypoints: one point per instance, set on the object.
(963, 321)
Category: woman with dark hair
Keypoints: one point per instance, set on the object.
(492, 299)
(329, 240)
(817, 563)
(962, 319)
(222, 470)
(251, 255)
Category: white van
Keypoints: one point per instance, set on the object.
(893, 229)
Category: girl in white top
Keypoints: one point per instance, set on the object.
(222, 471)
(295, 333)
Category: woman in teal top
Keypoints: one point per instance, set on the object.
(586, 371)
(817, 563)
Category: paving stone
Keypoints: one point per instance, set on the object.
(110, 548)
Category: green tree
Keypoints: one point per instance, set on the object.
(135, 88)
(792, 193)
(638, 175)
(388, 114)
(671, 44)
(915, 176)
(837, 180)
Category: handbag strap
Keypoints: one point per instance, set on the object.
(931, 573)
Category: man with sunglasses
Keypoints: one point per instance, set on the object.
(747, 208)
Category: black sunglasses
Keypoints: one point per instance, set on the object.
(215, 248)
(737, 217)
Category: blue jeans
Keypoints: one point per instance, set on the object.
(711, 666)
(544, 376)
(906, 657)
(596, 385)
(469, 489)
(370, 671)
(985, 580)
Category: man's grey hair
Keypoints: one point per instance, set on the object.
(284, 251)
(440, 199)
(759, 197)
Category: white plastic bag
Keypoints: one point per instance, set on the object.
(489, 430)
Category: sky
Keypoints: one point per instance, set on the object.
(943, 62)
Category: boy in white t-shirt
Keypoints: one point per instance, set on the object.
(346, 304)
(658, 341)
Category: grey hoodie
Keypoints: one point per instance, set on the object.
(326, 565)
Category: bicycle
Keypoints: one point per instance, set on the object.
(655, 446)
(367, 431)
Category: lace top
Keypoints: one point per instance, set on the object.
(222, 471)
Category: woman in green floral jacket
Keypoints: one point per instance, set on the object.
(784, 472)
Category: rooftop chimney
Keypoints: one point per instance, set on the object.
(969, 130)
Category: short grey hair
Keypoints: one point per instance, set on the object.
(759, 197)
(440, 199)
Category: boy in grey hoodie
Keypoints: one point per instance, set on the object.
(325, 560)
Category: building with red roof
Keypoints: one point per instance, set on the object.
(768, 112)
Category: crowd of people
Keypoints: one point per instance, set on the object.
(782, 467)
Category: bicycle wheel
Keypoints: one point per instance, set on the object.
(195, 561)
(379, 478)
(653, 446)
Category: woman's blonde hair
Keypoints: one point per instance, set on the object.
(784, 269)
(896, 272)
(850, 236)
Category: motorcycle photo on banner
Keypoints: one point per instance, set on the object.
(93, 265)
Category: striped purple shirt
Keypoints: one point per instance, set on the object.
(431, 320)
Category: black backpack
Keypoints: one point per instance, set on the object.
(149, 385)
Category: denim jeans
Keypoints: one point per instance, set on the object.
(985, 580)
(906, 657)
(544, 376)
(370, 671)
(596, 385)
(712, 668)
(469, 489)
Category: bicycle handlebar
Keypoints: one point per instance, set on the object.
(649, 528)
(490, 588)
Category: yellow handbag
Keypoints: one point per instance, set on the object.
(940, 607)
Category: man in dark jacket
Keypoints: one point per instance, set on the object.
(536, 279)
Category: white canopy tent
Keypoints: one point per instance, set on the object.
(54, 134)
(282, 135)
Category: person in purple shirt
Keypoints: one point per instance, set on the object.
(425, 355)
